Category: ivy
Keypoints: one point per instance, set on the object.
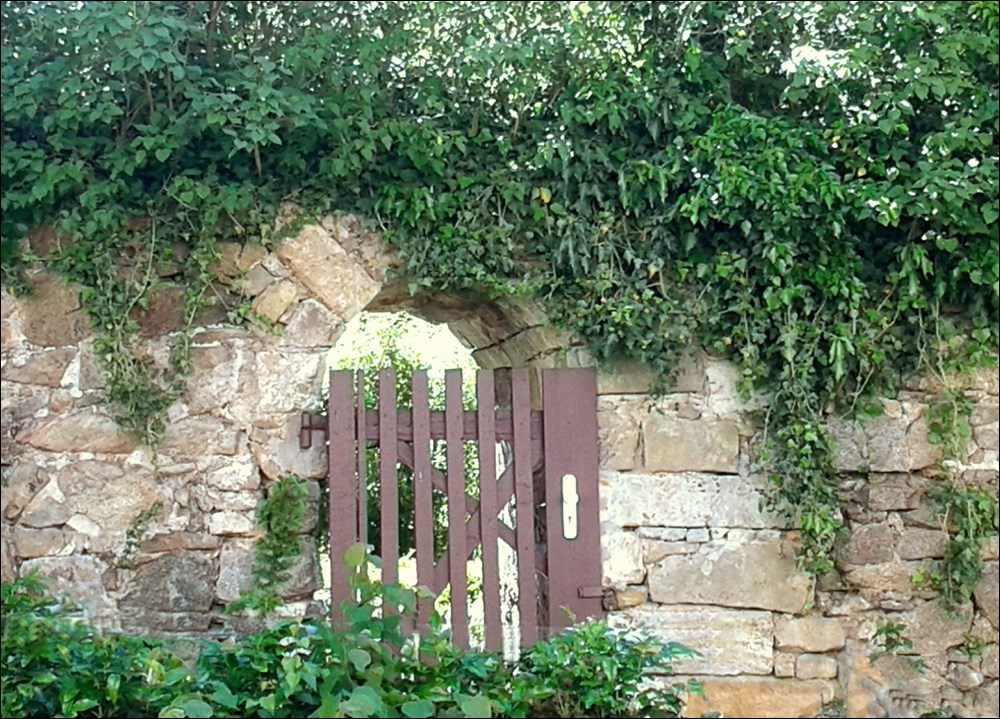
(808, 190)
(281, 517)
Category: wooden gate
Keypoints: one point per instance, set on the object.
(544, 504)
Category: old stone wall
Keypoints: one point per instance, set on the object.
(692, 555)
(162, 541)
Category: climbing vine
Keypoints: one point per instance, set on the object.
(807, 189)
(280, 517)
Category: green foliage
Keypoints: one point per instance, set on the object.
(890, 640)
(808, 189)
(361, 667)
(54, 665)
(280, 517)
(971, 516)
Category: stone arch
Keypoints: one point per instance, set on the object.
(84, 493)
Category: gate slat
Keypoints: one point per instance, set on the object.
(488, 511)
(340, 485)
(524, 503)
(423, 518)
(455, 456)
(389, 498)
(362, 457)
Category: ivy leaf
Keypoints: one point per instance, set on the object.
(363, 702)
(359, 658)
(477, 706)
(417, 709)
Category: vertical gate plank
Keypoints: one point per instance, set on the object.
(524, 505)
(362, 457)
(570, 425)
(389, 495)
(423, 517)
(457, 553)
(340, 484)
(488, 511)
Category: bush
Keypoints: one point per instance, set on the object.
(55, 666)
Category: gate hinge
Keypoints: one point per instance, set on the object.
(311, 422)
(606, 595)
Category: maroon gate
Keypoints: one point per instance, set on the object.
(543, 506)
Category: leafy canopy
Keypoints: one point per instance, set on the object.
(810, 189)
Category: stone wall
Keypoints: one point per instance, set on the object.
(161, 542)
(690, 554)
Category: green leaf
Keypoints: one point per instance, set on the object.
(359, 658)
(224, 696)
(355, 556)
(417, 709)
(477, 706)
(363, 702)
(197, 709)
(162, 153)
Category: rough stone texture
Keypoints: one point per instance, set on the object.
(199, 436)
(986, 595)
(235, 564)
(81, 580)
(272, 302)
(310, 324)
(325, 268)
(682, 500)
(622, 558)
(920, 543)
(815, 666)
(173, 583)
(894, 442)
(869, 544)
(618, 432)
(754, 574)
(678, 445)
(45, 368)
(230, 523)
(730, 641)
(808, 634)
(759, 697)
(108, 495)
(83, 431)
(52, 316)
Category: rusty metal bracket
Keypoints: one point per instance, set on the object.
(606, 595)
(311, 422)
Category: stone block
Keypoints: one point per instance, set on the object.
(654, 550)
(624, 377)
(986, 594)
(81, 431)
(618, 422)
(232, 474)
(630, 597)
(987, 436)
(679, 445)
(275, 300)
(108, 495)
(255, 281)
(227, 523)
(52, 316)
(808, 634)
(165, 313)
(920, 543)
(784, 664)
(45, 367)
(621, 558)
(199, 436)
(892, 492)
(235, 565)
(317, 260)
(985, 412)
(754, 574)
(759, 697)
(310, 324)
(33, 543)
(277, 452)
(136, 619)
(890, 577)
(181, 582)
(933, 630)
(287, 381)
(180, 542)
(682, 500)
(304, 576)
(816, 666)
(81, 580)
(729, 641)
(869, 544)
(991, 661)
(215, 379)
